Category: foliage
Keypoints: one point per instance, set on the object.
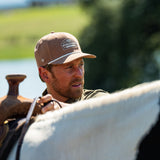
(87, 3)
(125, 38)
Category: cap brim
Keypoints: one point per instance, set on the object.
(72, 57)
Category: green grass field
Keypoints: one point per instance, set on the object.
(22, 28)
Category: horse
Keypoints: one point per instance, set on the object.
(111, 127)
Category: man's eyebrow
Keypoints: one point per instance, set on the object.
(82, 61)
(68, 64)
(55, 65)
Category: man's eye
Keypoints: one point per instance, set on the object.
(68, 67)
(81, 64)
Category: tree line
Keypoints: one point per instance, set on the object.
(125, 36)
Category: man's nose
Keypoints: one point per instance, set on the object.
(79, 72)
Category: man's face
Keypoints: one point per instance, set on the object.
(67, 80)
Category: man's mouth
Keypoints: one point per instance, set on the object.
(77, 85)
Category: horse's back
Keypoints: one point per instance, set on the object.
(110, 127)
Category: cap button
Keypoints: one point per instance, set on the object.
(52, 31)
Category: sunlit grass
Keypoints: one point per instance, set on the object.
(21, 28)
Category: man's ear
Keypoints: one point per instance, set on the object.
(43, 73)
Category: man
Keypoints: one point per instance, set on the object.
(61, 66)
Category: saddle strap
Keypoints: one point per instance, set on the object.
(3, 133)
(15, 127)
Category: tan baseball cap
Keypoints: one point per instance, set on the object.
(58, 48)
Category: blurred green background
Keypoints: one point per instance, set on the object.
(124, 34)
(22, 28)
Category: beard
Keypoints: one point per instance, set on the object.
(68, 91)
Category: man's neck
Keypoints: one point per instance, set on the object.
(69, 100)
(61, 99)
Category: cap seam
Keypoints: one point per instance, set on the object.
(62, 57)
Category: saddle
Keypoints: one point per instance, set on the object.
(13, 110)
